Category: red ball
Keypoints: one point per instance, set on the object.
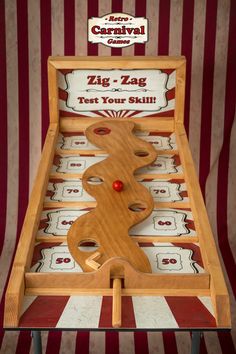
(118, 185)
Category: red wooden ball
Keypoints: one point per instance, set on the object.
(118, 185)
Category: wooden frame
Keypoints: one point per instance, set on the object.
(22, 282)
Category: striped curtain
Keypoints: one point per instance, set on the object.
(202, 30)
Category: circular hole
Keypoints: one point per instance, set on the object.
(94, 180)
(141, 153)
(102, 131)
(88, 245)
(137, 207)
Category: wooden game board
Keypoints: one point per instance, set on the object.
(174, 239)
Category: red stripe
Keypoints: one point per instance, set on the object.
(226, 342)
(63, 95)
(23, 343)
(69, 27)
(92, 12)
(127, 316)
(54, 342)
(82, 343)
(37, 254)
(164, 27)
(65, 71)
(23, 109)
(46, 48)
(223, 169)
(51, 308)
(169, 343)
(140, 11)
(112, 343)
(168, 71)
(187, 40)
(196, 251)
(203, 349)
(116, 7)
(189, 312)
(108, 113)
(207, 91)
(170, 94)
(106, 312)
(3, 130)
(141, 343)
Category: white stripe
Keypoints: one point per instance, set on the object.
(13, 143)
(152, 15)
(155, 342)
(196, 79)
(68, 342)
(61, 81)
(206, 301)
(153, 312)
(220, 65)
(81, 35)
(212, 343)
(57, 27)
(44, 336)
(232, 192)
(9, 342)
(81, 312)
(27, 301)
(129, 8)
(172, 80)
(218, 107)
(34, 89)
(176, 16)
(126, 343)
(183, 342)
(104, 7)
(97, 342)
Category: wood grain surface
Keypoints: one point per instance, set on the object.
(116, 212)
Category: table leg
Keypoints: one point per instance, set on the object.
(196, 337)
(37, 342)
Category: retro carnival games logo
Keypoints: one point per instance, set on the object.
(118, 30)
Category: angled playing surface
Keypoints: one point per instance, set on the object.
(167, 261)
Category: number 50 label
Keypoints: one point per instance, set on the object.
(61, 260)
(169, 261)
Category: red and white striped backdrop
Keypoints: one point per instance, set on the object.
(202, 30)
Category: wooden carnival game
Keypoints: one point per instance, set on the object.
(116, 215)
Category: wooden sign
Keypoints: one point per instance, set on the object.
(117, 93)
